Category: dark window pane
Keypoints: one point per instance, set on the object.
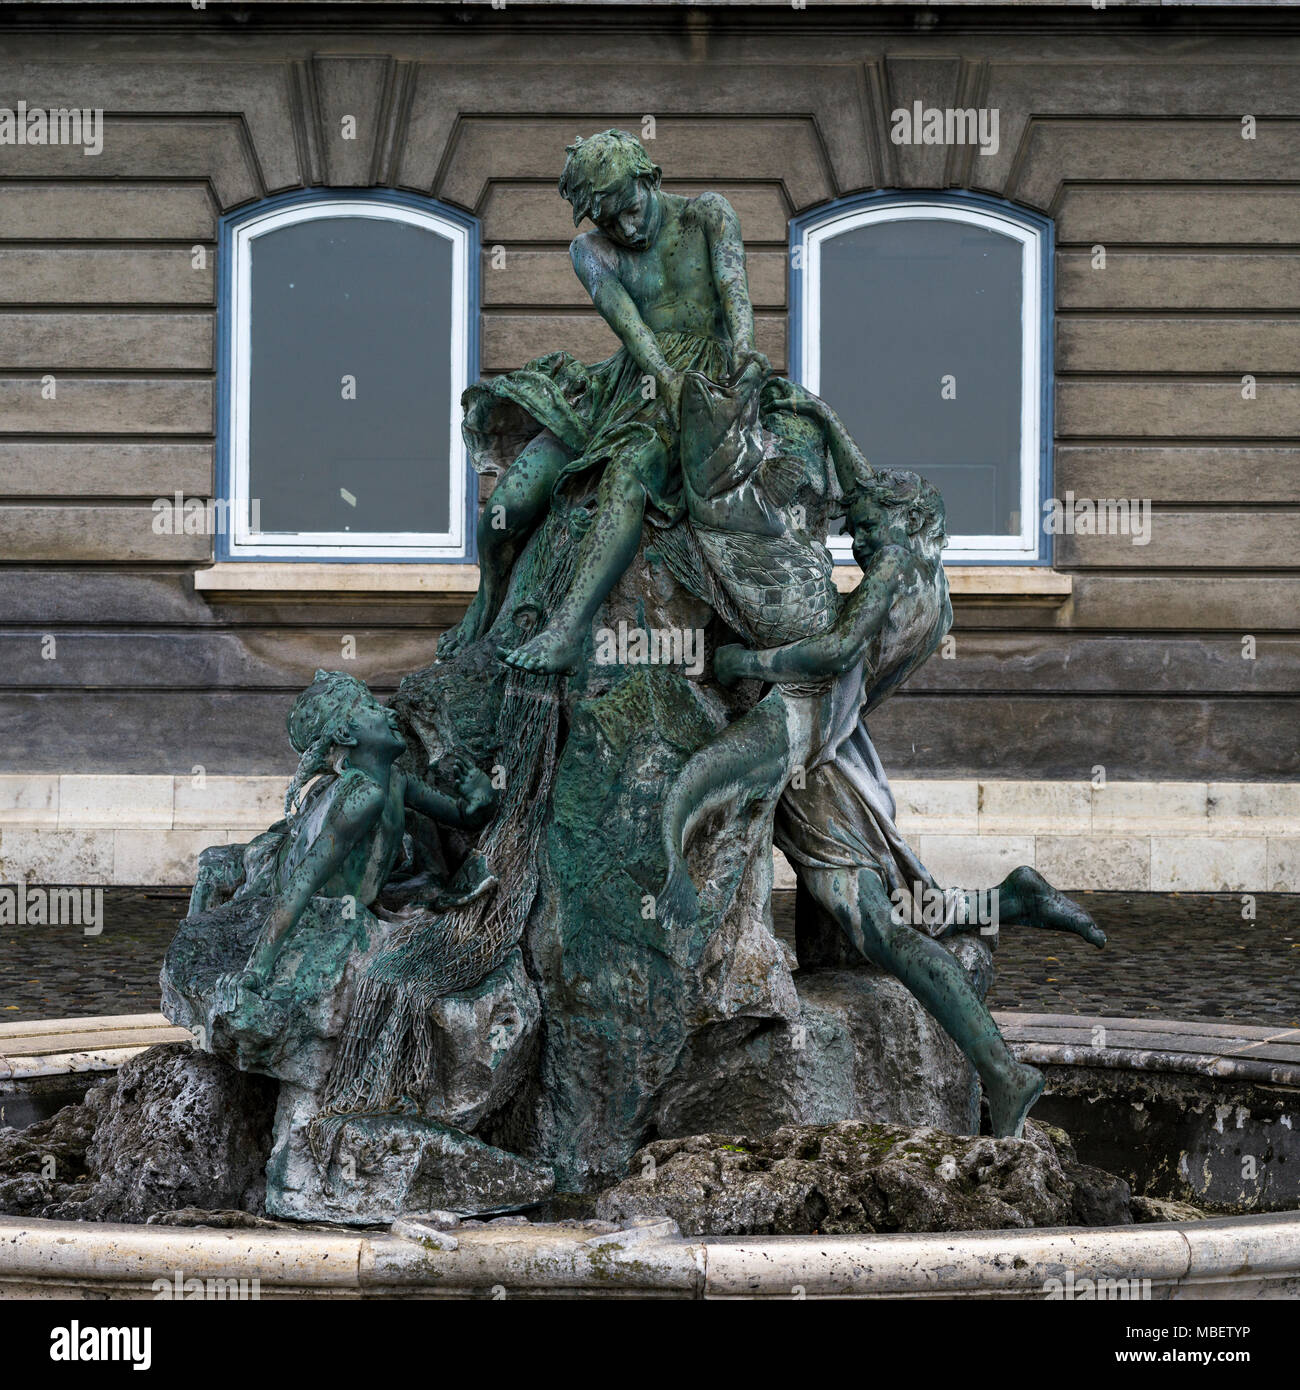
(362, 297)
(904, 304)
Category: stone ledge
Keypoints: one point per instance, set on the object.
(1237, 1052)
(988, 583)
(250, 578)
(144, 856)
(138, 801)
(58, 1046)
(142, 829)
(937, 806)
(62, 1044)
(1250, 1256)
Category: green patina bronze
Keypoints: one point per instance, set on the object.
(530, 973)
(667, 274)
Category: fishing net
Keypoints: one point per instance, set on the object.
(387, 1050)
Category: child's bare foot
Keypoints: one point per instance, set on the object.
(1035, 903)
(551, 651)
(1011, 1098)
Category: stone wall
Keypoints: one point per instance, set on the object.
(1137, 836)
(1125, 127)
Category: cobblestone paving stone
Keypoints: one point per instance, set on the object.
(58, 972)
(1185, 956)
(1180, 956)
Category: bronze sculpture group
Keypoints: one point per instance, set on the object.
(686, 453)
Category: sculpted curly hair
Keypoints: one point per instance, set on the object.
(611, 157)
(899, 489)
(318, 723)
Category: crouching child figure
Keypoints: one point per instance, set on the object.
(345, 815)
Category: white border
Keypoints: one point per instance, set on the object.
(960, 549)
(342, 545)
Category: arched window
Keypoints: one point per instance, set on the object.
(347, 338)
(923, 321)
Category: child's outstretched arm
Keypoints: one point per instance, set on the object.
(353, 814)
(830, 653)
(727, 254)
(468, 810)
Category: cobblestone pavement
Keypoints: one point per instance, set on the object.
(1186, 956)
(59, 972)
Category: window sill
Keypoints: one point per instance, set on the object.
(988, 583)
(255, 578)
(263, 579)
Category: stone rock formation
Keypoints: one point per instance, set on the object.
(174, 1128)
(857, 1177)
(571, 1023)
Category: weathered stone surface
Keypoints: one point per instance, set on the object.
(483, 1045)
(183, 1130)
(222, 1219)
(1181, 1136)
(175, 1128)
(45, 1163)
(386, 1166)
(1100, 1198)
(483, 1038)
(1150, 1209)
(856, 1052)
(482, 1042)
(854, 1177)
(289, 1031)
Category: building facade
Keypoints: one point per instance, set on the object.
(1047, 255)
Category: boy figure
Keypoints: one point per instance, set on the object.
(836, 825)
(667, 273)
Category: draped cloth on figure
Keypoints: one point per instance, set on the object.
(843, 816)
(600, 413)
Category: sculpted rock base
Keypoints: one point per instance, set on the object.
(861, 1049)
(622, 993)
(289, 1030)
(484, 1041)
(853, 1177)
(386, 1166)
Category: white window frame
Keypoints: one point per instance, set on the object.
(960, 549)
(342, 545)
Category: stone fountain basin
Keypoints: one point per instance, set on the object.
(1207, 1113)
(49, 1063)
(1235, 1257)
(1175, 1107)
